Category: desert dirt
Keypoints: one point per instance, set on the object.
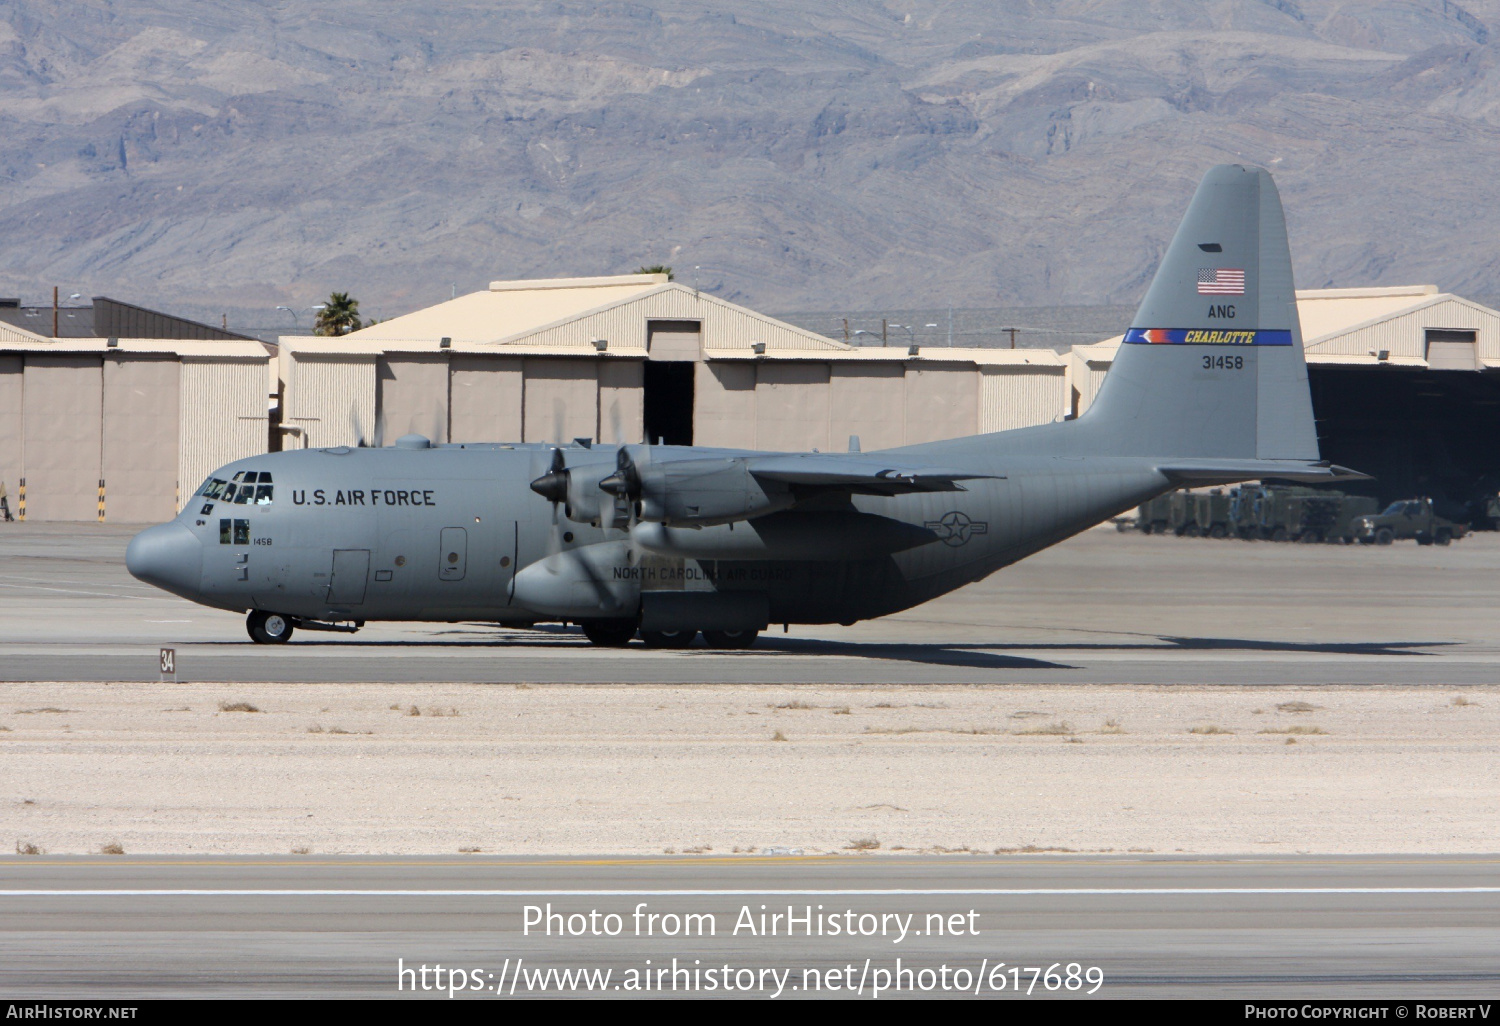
(643, 769)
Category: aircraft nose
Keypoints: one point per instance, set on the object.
(167, 556)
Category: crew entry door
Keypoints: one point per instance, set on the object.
(453, 554)
(351, 572)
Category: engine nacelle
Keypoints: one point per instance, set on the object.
(706, 491)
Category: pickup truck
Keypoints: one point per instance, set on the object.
(1407, 518)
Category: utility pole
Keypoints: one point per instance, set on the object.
(224, 321)
(950, 325)
(54, 311)
(882, 331)
(1012, 337)
(846, 329)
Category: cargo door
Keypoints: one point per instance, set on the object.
(351, 572)
(453, 555)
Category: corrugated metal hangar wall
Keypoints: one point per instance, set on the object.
(349, 398)
(637, 358)
(91, 431)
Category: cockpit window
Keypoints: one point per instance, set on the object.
(247, 486)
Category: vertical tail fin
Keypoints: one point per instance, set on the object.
(1213, 366)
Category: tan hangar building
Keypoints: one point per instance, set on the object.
(635, 358)
(123, 429)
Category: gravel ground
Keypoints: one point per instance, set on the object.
(577, 769)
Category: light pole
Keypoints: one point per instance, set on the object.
(295, 321)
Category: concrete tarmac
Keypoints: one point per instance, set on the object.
(1275, 929)
(1100, 608)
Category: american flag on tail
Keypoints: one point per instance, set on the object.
(1221, 281)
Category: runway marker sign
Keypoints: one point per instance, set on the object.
(169, 664)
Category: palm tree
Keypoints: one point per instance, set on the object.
(339, 316)
(656, 269)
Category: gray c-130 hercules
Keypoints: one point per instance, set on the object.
(1210, 387)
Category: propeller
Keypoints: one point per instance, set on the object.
(553, 486)
(625, 485)
(355, 427)
(625, 482)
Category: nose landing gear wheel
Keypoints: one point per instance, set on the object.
(730, 639)
(268, 628)
(668, 639)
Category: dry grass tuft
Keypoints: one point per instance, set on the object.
(1297, 707)
(237, 707)
(893, 730)
(43, 709)
(414, 711)
(450, 711)
(884, 705)
(1031, 849)
(315, 729)
(5, 730)
(1111, 726)
(862, 844)
(111, 848)
(1060, 728)
(302, 850)
(1291, 740)
(1027, 714)
(1300, 730)
(27, 848)
(337, 730)
(793, 704)
(701, 849)
(843, 710)
(1209, 728)
(1460, 700)
(778, 736)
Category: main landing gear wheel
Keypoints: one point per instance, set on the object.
(268, 628)
(668, 639)
(609, 633)
(730, 639)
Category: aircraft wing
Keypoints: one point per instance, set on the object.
(866, 475)
(1201, 472)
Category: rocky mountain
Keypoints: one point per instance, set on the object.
(204, 155)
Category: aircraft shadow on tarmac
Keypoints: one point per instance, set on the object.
(976, 655)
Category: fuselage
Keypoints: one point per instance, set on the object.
(445, 533)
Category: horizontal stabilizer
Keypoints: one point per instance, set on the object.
(867, 475)
(1204, 472)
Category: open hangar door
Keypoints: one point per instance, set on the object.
(1434, 433)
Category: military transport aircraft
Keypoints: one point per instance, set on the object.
(1210, 387)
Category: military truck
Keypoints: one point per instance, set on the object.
(1407, 518)
(1211, 514)
(1155, 516)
